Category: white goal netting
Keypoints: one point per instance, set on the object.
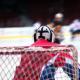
(23, 63)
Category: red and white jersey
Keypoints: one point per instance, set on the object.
(58, 59)
(34, 62)
(44, 43)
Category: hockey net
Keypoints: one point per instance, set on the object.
(26, 63)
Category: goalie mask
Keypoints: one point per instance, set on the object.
(44, 32)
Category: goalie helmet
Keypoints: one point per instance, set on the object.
(44, 32)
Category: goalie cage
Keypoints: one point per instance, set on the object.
(23, 63)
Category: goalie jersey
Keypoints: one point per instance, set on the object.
(41, 63)
(60, 59)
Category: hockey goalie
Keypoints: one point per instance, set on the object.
(44, 37)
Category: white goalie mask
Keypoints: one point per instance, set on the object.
(45, 33)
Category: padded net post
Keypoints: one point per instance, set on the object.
(75, 63)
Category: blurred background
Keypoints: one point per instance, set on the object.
(26, 12)
(17, 18)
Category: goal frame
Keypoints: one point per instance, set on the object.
(18, 50)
